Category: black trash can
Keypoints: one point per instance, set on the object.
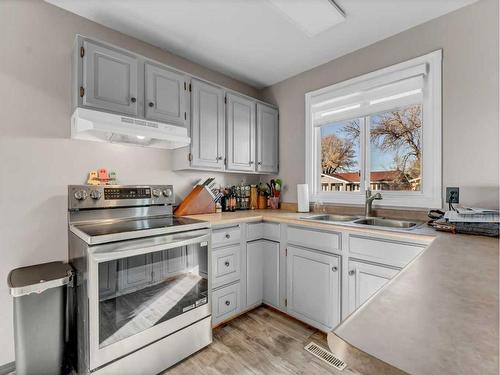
(40, 310)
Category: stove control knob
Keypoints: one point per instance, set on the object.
(81, 195)
(156, 193)
(167, 193)
(95, 194)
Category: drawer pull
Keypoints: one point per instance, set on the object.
(351, 272)
(335, 268)
(226, 263)
(228, 236)
(228, 303)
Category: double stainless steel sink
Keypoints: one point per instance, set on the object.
(377, 222)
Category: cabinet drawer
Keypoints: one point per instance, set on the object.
(313, 239)
(226, 265)
(225, 236)
(383, 251)
(226, 302)
(255, 231)
(271, 231)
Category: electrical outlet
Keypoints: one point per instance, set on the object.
(452, 195)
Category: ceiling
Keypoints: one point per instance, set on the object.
(254, 40)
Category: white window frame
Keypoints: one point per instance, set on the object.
(430, 195)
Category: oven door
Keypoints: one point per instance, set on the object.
(142, 290)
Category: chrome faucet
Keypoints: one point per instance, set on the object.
(369, 200)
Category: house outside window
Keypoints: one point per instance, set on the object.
(381, 132)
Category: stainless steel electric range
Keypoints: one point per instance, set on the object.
(142, 297)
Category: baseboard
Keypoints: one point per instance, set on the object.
(7, 368)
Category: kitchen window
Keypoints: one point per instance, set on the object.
(380, 132)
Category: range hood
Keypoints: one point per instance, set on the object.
(91, 125)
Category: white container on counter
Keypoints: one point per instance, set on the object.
(302, 197)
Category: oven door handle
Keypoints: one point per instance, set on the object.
(108, 252)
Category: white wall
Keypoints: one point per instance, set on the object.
(37, 158)
(470, 41)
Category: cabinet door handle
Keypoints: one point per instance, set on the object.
(228, 236)
(133, 100)
(335, 268)
(151, 104)
(219, 158)
(259, 163)
(351, 272)
(228, 303)
(226, 263)
(250, 162)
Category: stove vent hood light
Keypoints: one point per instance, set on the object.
(91, 125)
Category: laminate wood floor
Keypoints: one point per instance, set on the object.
(262, 341)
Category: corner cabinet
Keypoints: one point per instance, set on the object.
(267, 139)
(207, 126)
(262, 273)
(229, 133)
(364, 280)
(109, 79)
(313, 287)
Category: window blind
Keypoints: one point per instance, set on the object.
(373, 96)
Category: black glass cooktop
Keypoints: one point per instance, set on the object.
(124, 226)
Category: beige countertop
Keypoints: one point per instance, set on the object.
(424, 234)
(438, 316)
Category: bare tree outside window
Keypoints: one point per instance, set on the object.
(395, 152)
(397, 135)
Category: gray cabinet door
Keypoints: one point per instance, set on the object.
(255, 280)
(240, 115)
(364, 280)
(165, 92)
(313, 287)
(270, 269)
(109, 79)
(267, 139)
(207, 126)
(135, 272)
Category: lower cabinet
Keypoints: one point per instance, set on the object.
(226, 302)
(255, 277)
(262, 273)
(271, 273)
(313, 287)
(364, 280)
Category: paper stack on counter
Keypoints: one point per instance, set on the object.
(472, 215)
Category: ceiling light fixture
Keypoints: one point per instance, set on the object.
(311, 16)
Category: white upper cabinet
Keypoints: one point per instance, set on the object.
(165, 95)
(267, 139)
(207, 126)
(240, 133)
(365, 280)
(109, 79)
(313, 287)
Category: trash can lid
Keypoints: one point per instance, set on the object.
(38, 278)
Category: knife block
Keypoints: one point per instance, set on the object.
(198, 201)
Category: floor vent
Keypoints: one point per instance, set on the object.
(325, 356)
